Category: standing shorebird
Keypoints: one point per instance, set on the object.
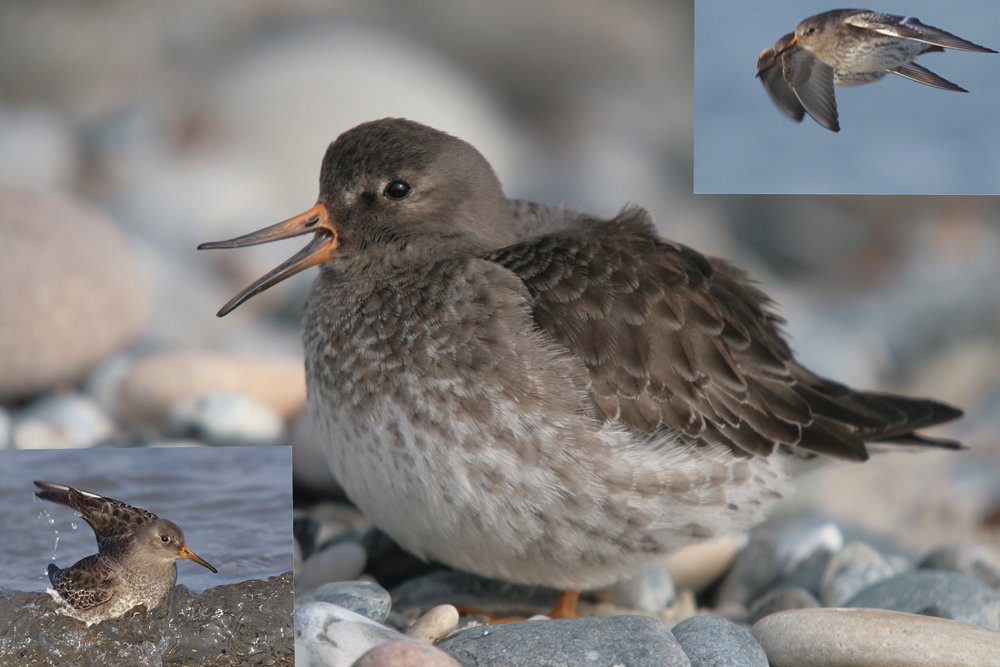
(134, 563)
(538, 395)
(849, 47)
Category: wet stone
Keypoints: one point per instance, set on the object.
(362, 597)
(979, 561)
(791, 553)
(781, 599)
(855, 568)
(754, 570)
(710, 641)
(636, 641)
(808, 575)
(937, 593)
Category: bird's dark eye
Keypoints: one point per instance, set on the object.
(397, 190)
(164, 539)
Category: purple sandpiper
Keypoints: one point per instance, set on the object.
(134, 563)
(539, 395)
(849, 47)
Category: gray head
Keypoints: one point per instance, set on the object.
(814, 32)
(393, 179)
(391, 189)
(163, 541)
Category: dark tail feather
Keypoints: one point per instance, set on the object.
(848, 423)
(917, 442)
(919, 413)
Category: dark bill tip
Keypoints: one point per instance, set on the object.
(316, 221)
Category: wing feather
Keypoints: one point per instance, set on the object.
(674, 340)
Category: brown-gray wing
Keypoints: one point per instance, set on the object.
(86, 584)
(111, 519)
(812, 81)
(915, 72)
(674, 339)
(770, 71)
(908, 27)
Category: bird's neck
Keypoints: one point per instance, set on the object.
(376, 263)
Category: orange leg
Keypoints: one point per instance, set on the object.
(565, 606)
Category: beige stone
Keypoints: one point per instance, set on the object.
(435, 625)
(159, 381)
(406, 654)
(71, 292)
(837, 637)
(696, 566)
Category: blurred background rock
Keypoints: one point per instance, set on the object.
(131, 132)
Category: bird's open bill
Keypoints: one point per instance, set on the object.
(190, 555)
(319, 250)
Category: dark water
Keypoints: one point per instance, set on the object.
(234, 505)
(897, 136)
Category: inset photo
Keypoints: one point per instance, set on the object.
(173, 555)
(806, 98)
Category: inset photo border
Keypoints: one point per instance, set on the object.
(896, 136)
